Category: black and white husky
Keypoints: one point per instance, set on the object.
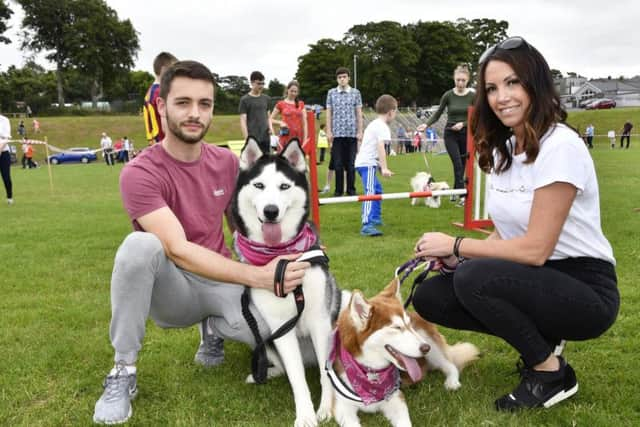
(270, 210)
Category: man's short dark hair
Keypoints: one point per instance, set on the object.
(190, 69)
(342, 70)
(256, 76)
(163, 59)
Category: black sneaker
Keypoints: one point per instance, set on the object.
(539, 389)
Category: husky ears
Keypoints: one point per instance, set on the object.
(294, 155)
(392, 290)
(359, 310)
(250, 153)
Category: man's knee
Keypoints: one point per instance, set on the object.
(137, 250)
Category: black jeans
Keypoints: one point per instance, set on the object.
(5, 170)
(622, 138)
(343, 155)
(532, 308)
(456, 145)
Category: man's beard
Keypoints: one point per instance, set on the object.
(176, 129)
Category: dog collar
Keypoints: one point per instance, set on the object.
(367, 385)
(260, 254)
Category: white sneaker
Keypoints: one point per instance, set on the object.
(325, 190)
(114, 406)
(9, 201)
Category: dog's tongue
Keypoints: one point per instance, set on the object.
(412, 367)
(272, 233)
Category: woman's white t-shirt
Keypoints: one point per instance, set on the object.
(563, 157)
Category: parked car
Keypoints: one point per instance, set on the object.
(601, 104)
(76, 154)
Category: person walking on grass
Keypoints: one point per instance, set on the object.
(547, 272)
(176, 267)
(456, 101)
(626, 133)
(371, 157)
(5, 157)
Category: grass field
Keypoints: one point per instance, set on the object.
(57, 252)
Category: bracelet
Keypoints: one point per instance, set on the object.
(456, 246)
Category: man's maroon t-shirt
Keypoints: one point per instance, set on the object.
(198, 193)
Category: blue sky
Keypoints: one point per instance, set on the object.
(592, 38)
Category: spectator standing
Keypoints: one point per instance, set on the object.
(29, 155)
(126, 147)
(589, 131)
(323, 144)
(371, 157)
(432, 138)
(29, 112)
(5, 157)
(254, 113)
(36, 126)
(401, 135)
(344, 130)
(612, 138)
(22, 131)
(293, 123)
(107, 149)
(152, 119)
(626, 133)
(456, 101)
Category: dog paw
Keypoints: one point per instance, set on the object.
(250, 379)
(306, 420)
(452, 384)
(323, 414)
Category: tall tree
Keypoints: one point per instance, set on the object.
(317, 68)
(275, 89)
(442, 47)
(386, 57)
(48, 26)
(5, 14)
(80, 34)
(105, 46)
(482, 34)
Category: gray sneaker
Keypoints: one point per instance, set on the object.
(211, 350)
(114, 406)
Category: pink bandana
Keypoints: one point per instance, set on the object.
(260, 254)
(372, 385)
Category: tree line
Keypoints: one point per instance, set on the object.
(93, 51)
(412, 62)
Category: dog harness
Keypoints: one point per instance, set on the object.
(306, 241)
(367, 385)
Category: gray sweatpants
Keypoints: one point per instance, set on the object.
(146, 283)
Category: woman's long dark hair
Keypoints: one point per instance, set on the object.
(545, 109)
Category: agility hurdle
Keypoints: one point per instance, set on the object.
(475, 214)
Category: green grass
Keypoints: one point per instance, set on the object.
(57, 252)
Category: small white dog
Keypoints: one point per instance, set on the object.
(423, 181)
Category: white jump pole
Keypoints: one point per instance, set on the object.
(407, 195)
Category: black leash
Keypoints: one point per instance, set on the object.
(408, 267)
(259, 360)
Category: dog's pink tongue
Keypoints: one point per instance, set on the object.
(412, 367)
(272, 233)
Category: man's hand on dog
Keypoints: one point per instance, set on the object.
(293, 274)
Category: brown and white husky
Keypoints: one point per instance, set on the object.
(376, 346)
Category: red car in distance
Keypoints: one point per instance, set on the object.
(601, 104)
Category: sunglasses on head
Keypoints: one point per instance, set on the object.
(508, 44)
